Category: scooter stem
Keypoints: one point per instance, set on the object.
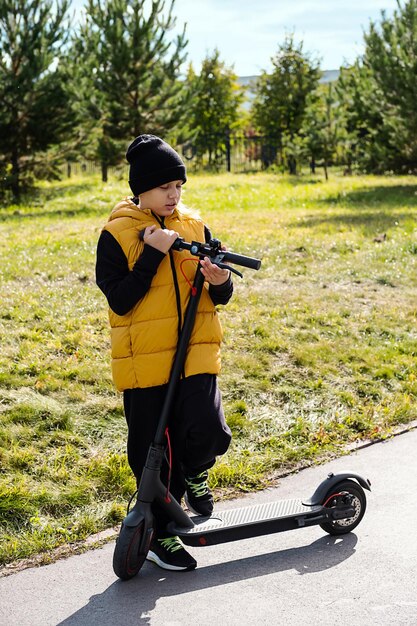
(180, 355)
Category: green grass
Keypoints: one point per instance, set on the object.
(320, 344)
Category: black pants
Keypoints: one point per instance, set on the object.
(197, 428)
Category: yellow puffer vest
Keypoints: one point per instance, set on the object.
(144, 340)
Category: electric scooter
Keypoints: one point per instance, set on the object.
(337, 505)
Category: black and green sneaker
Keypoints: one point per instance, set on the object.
(169, 553)
(198, 496)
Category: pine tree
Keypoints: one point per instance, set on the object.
(366, 139)
(380, 92)
(128, 73)
(34, 111)
(391, 55)
(281, 100)
(322, 126)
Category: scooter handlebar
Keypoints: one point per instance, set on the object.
(212, 249)
(244, 261)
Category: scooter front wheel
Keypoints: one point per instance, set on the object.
(127, 558)
(347, 491)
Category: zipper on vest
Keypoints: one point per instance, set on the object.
(161, 222)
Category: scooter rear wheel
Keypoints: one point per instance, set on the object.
(331, 500)
(127, 560)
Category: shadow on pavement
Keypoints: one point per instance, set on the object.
(135, 599)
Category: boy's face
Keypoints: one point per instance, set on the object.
(162, 200)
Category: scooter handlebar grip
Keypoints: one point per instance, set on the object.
(244, 261)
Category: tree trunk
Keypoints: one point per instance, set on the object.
(15, 186)
(104, 172)
(228, 152)
(348, 169)
(292, 164)
(313, 165)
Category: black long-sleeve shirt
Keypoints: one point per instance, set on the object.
(124, 288)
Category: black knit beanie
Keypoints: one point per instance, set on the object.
(152, 163)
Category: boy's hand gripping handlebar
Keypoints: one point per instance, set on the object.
(219, 257)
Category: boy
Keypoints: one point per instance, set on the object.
(147, 286)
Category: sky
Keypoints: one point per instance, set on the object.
(248, 32)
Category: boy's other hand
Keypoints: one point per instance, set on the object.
(212, 273)
(159, 238)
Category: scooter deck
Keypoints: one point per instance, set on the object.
(245, 522)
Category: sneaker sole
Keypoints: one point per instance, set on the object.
(154, 558)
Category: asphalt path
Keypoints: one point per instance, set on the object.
(300, 577)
